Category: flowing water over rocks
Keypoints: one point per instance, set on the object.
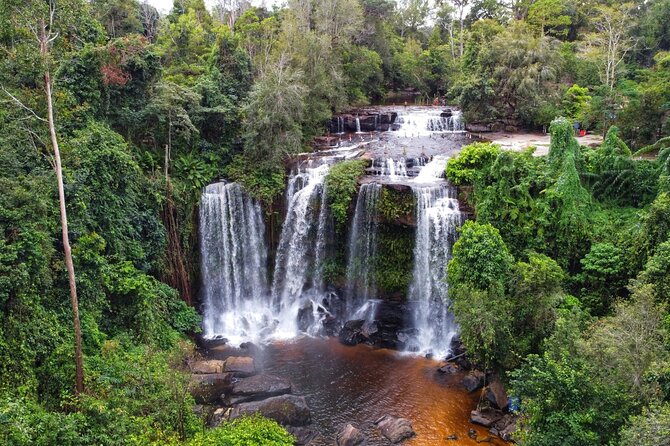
(310, 294)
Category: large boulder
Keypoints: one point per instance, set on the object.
(257, 388)
(473, 380)
(350, 436)
(240, 366)
(288, 410)
(395, 429)
(485, 417)
(496, 395)
(304, 436)
(351, 333)
(209, 388)
(207, 366)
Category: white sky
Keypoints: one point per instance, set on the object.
(166, 5)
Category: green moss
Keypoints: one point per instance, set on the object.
(394, 259)
(394, 204)
(341, 184)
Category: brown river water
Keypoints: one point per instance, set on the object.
(359, 384)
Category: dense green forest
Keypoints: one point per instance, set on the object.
(561, 285)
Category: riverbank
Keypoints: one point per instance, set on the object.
(358, 385)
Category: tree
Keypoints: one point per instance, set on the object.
(273, 114)
(648, 428)
(120, 17)
(478, 273)
(611, 40)
(171, 107)
(44, 31)
(547, 15)
(623, 347)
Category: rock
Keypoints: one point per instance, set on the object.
(472, 433)
(478, 128)
(240, 366)
(485, 417)
(496, 395)
(209, 388)
(449, 369)
(506, 426)
(217, 417)
(395, 429)
(303, 435)
(306, 316)
(350, 436)
(452, 437)
(285, 409)
(473, 380)
(351, 334)
(447, 113)
(208, 366)
(258, 387)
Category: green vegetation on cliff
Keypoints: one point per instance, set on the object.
(561, 286)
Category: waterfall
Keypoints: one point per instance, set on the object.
(433, 171)
(233, 264)
(298, 274)
(363, 247)
(438, 218)
(358, 125)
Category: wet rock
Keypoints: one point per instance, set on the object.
(395, 429)
(496, 395)
(330, 325)
(288, 410)
(209, 388)
(305, 316)
(240, 366)
(304, 436)
(350, 436)
(472, 433)
(485, 417)
(258, 387)
(473, 380)
(208, 366)
(452, 437)
(351, 333)
(506, 426)
(449, 369)
(447, 113)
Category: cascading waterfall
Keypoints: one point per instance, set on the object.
(437, 218)
(298, 274)
(358, 124)
(362, 248)
(234, 255)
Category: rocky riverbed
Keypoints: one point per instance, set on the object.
(327, 393)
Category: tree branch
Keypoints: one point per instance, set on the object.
(22, 105)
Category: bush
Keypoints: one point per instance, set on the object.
(472, 162)
(341, 183)
(246, 431)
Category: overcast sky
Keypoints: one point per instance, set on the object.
(166, 5)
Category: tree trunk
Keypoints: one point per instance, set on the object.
(78, 356)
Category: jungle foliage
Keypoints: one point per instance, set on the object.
(561, 285)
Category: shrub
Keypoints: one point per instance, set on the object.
(471, 162)
(341, 183)
(246, 431)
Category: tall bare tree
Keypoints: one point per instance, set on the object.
(44, 32)
(612, 38)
